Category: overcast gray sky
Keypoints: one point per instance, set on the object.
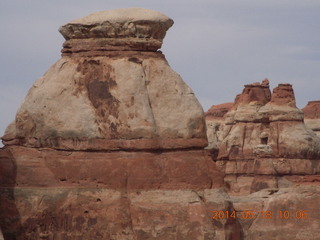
(217, 46)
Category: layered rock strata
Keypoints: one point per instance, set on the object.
(108, 144)
(265, 141)
(312, 116)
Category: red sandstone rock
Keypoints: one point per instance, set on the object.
(283, 95)
(255, 93)
(116, 195)
(312, 110)
(191, 169)
(218, 111)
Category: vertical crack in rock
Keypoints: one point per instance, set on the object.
(244, 138)
(146, 83)
(277, 138)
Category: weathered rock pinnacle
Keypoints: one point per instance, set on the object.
(111, 90)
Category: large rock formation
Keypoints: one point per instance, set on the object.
(312, 116)
(108, 144)
(265, 142)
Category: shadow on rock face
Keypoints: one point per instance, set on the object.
(10, 220)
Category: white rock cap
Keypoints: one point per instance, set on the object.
(137, 23)
(122, 15)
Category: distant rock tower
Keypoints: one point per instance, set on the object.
(265, 141)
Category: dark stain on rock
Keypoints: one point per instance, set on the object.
(217, 223)
(98, 82)
(135, 60)
(92, 222)
(80, 221)
(99, 93)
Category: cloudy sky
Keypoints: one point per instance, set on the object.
(217, 46)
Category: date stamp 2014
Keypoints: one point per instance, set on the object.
(249, 214)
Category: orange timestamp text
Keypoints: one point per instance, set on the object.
(250, 214)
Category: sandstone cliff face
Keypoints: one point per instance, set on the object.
(312, 116)
(108, 144)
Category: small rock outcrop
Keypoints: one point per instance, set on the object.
(312, 116)
(109, 143)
